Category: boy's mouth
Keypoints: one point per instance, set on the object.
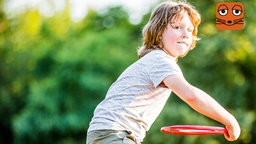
(182, 42)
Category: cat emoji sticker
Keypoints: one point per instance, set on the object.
(229, 15)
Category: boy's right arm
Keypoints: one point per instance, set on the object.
(203, 103)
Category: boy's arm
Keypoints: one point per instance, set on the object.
(203, 103)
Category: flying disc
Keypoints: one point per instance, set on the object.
(193, 130)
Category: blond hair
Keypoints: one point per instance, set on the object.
(165, 13)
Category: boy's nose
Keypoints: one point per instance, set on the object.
(185, 34)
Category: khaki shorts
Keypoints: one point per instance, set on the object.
(110, 137)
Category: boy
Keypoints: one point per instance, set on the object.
(137, 97)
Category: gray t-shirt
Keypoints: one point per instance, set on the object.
(136, 98)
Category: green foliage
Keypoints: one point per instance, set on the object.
(58, 71)
(53, 73)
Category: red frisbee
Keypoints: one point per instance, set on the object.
(193, 130)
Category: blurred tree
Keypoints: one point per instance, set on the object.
(61, 70)
(10, 91)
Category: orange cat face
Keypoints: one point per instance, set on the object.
(229, 15)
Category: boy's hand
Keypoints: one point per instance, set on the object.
(233, 131)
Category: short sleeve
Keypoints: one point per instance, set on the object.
(161, 66)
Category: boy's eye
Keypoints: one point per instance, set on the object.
(179, 27)
(175, 26)
(190, 30)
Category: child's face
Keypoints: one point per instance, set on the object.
(177, 37)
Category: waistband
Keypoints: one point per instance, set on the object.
(125, 133)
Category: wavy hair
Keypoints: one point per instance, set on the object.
(163, 14)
